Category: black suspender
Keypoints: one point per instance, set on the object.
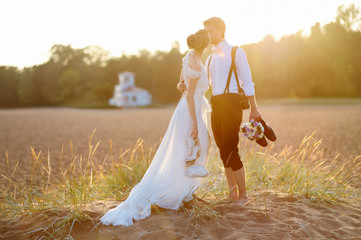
(232, 69)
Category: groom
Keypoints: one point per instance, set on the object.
(226, 116)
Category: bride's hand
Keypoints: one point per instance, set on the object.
(182, 87)
(194, 134)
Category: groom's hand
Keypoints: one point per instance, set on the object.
(255, 114)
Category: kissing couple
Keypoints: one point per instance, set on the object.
(165, 183)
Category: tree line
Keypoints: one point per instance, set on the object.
(325, 64)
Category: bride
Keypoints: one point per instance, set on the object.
(164, 183)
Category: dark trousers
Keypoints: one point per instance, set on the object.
(226, 118)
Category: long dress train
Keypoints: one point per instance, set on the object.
(165, 183)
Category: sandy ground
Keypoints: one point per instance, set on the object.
(272, 216)
(266, 216)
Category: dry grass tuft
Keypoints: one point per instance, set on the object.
(61, 198)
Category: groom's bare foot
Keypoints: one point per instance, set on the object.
(231, 198)
(242, 201)
(232, 195)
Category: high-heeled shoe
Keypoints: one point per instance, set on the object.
(192, 168)
(194, 151)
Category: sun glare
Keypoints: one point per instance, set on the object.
(31, 28)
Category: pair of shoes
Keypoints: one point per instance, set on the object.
(196, 171)
(194, 151)
(268, 133)
(262, 141)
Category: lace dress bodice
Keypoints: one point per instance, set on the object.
(188, 72)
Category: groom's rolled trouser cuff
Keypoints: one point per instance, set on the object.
(231, 159)
(226, 121)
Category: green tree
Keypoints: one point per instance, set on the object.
(344, 86)
(104, 91)
(68, 83)
(9, 81)
(349, 17)
(26, 91)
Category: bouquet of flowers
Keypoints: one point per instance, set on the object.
(253, 130)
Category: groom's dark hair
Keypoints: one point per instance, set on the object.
(217, 22)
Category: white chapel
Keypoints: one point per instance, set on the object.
(126, 94)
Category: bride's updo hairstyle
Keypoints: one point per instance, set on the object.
(198, 40)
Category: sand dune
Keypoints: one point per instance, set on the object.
(268, 215)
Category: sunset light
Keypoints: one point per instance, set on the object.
(30, 28)
(193, 119)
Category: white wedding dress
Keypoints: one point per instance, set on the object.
(164, 183)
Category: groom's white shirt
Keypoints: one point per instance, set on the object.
(219, 68)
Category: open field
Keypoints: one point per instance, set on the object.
(292, 194)
(50, 129)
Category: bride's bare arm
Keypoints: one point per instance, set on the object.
(190, 96)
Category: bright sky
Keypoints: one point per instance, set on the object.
(29, 28)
